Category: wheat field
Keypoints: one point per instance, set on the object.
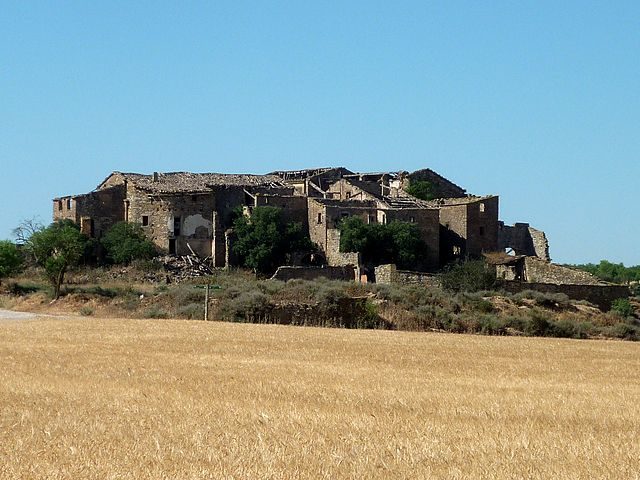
(161, 399)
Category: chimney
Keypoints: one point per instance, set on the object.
(155, 176)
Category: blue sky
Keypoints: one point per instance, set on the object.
(538, 102)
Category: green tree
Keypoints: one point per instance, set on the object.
(611, 272)
(422, 189)
(125, 242)
(469, 276)
(57, 248)
(263, 240)
(396, 242)
(11, 259)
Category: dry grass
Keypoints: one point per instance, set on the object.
(156, 399)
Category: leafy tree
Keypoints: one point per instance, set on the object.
(612, 272)
(125, 242)
(264, 240)
(11, 259)
(57, 248)
(469, 276)
(422, 189)
(396, 242)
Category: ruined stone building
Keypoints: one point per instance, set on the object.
(193, 212)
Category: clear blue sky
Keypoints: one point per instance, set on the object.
(537, 101)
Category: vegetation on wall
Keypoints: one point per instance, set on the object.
(396, 242)
(125, 242)
(422, 189)
(264, 239)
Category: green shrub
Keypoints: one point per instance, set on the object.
(11, 260)
(125, 242)
(622, 307)
(622, 330)
(469, 276)
(246, 306)
(86, 311)
(155, 312)
(192, 311)
(538, 324)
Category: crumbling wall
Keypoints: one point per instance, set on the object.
(285, 273)
(159, 215)
(389, 274)
(523, 240)
(294, 208)
(94, 212)
(468, 228)
(537, 270)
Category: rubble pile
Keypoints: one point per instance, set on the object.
(180, 267)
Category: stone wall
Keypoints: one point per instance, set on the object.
(468, 229)
(600, 295)
(294, 208)
(389, 274)
(285, 273)
(164, 214)
(524, 240)
(537, 270)
(94, 212)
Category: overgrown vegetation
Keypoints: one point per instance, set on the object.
(396, 242)
(612, 272)
(239, 297)
(125, 242)
(11, 260)
(468, 276)
(264, 239)
(57, 248)
(422, 189)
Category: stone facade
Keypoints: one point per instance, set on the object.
(389, 274)
(469, 227)
(184, 212)
(286, 273)
(523, 240)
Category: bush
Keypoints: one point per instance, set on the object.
(11, 259)
(469, 276)
(155, 312)
(538, 325)
(622, 307)
(86, 311)
(622, 330)
(246, 306)
(192, 311)
(125, 242)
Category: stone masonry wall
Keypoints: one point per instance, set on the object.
(389, 274)
(537, 270)
(524, 240)
(285, 273)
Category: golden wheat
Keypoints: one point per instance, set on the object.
(156, 399)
